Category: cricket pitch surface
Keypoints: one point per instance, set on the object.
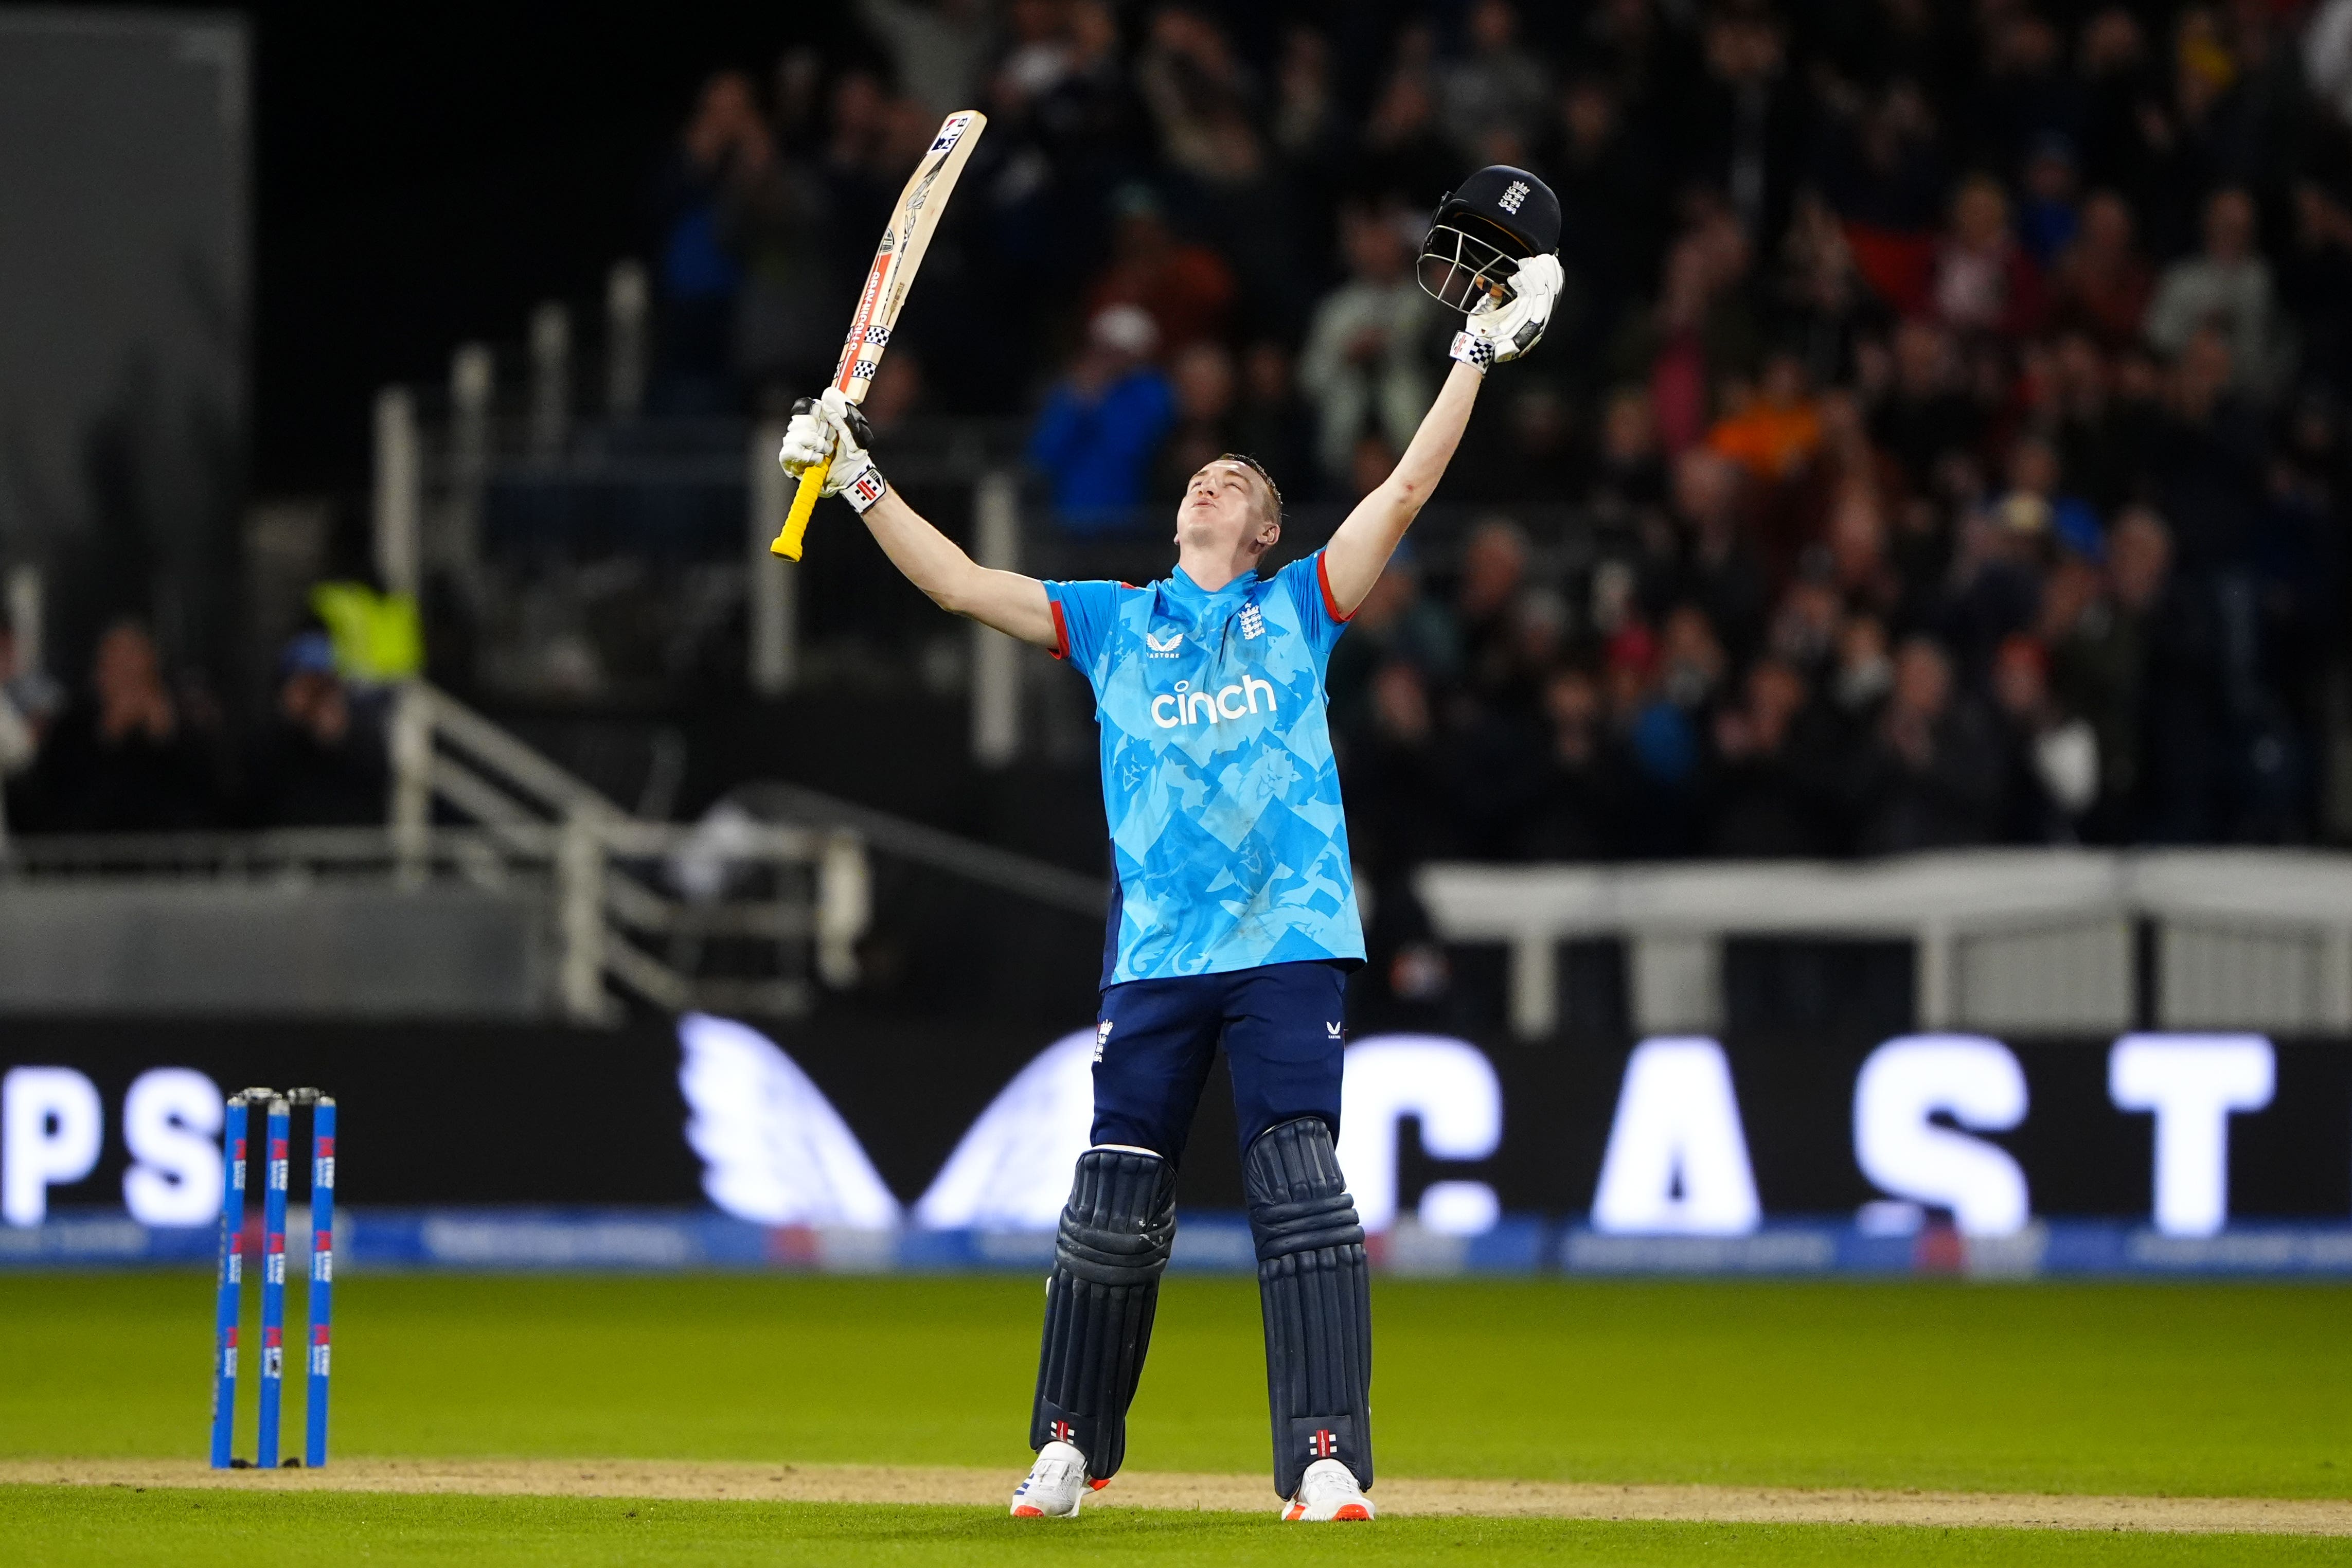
(1400, 1497)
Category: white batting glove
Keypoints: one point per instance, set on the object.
(807, 441)
(1497, 334)
(834, 427)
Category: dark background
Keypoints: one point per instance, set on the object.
(425, 174)
(491, 1114)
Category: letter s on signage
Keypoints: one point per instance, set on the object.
(1976, 1081)
(172, 1121)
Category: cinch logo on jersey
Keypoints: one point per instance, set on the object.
(1186, 706)
(1229, 843)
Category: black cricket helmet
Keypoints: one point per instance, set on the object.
(1484, 228)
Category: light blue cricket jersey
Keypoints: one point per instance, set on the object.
(1228, 839)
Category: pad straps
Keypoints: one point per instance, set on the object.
(1115, 1234)
(1316, 1290)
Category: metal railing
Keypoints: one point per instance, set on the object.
(746, 912)
(793, 900)
(441, 461)
(2025, 941)
(655, 496)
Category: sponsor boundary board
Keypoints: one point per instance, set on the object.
(654, 1240)
(2213, 1150)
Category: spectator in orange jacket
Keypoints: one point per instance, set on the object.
(1779, 430)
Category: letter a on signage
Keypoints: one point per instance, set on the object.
(1677, 1159)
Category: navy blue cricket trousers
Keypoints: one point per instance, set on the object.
(1283, 1030)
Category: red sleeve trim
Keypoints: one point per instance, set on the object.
(1061, 628)
(1323, 581)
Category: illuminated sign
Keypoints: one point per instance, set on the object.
(1682, 1138)
(1449, 1086)
(172, 1120)
(773, 1149)
(2192, 1083)
(1678, 1160)
(1975, 1081)
(52, 1129)
(1011, 1170)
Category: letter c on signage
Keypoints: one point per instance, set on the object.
(1236, 710)
(1168, 721)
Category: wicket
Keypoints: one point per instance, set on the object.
(230, 1279)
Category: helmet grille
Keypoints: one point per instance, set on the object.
(1461, 270)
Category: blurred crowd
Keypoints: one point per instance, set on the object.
(135, 750)
(1947, 407)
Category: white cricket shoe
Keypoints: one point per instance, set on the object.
(1328, 1491)
(1056, 1481)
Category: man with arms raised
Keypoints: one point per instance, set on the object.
(1234, 917)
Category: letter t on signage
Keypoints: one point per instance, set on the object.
(2192, 1083)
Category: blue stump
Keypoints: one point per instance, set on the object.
(322, 1280)
(229, 1282)
(273, 1283)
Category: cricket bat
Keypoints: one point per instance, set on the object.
(896, 261)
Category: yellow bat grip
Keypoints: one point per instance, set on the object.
(796, 521)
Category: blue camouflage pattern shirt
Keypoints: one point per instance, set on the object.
(1229, 843)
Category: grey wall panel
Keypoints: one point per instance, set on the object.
(124, 284)
(2075, 978)
(270, 952)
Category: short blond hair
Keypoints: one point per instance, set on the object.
(1273, 490)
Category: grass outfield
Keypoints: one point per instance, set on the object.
(2206, 1390)
(2196, 1389)
(63, 1526)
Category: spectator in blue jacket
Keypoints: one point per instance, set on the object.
(1103, 423)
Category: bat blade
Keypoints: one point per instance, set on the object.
(887, 281)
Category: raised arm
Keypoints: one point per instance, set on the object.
(832, 428)
(1013, 605)
(1361, 547)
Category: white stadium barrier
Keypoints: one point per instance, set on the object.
(2029, 941)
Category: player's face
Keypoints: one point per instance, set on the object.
(1223, 508)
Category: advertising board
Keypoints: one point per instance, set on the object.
(871, 1126)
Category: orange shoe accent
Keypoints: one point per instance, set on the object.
(1294, 1512)
(1097, 1486)
(1028, 1511)
(1353, 1511)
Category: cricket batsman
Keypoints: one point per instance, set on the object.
(1232, 912)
